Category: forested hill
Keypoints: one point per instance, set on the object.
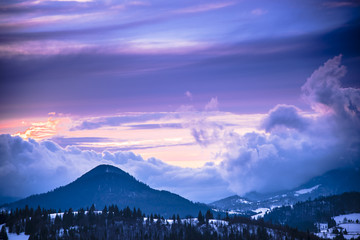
(303, 215)
(106, 185)
(115, 223)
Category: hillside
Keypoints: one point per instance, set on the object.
(333, 182)
(105, 185)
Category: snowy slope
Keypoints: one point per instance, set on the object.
(306, 190)
(347, 217)
(334, 182)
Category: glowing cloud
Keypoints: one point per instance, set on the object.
(40, 130)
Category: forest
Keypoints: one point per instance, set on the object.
(115, 223)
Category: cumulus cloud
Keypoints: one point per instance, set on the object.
(28, 167)
(206, 133)
(324, 92)
(281, 158)
(286, 116)
(203, 130)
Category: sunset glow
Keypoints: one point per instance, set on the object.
(240, 96)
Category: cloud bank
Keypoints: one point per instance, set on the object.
(29, 167)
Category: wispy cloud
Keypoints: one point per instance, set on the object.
(204, 7)
(76, 141)
(189, 95)
(213, 105)
(258, 11)
(155, 126)
(99, 122)
(43, 48)
(339, 4)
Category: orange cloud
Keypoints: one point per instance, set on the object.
(40, 130)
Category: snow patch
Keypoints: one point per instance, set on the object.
(234, 212)
(53, 215)
(260, 213)
(306, 190)
(240, 200)
(14, 236)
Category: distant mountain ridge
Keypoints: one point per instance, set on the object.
(334, 182)
(304, 215)
(105, 185)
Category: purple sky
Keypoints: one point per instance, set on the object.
(195, 85)
(103, 56)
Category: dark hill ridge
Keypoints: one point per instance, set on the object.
(105, 185)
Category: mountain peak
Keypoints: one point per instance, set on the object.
(106, 185)
(106, 168)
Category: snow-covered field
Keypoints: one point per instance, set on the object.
(331, 236)
(353, 217)
(21, 236)
(14, 236)
(348, 222)
(351, 227)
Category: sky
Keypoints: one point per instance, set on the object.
(202, 98)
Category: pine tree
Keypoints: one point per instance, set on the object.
(208, 216)
(178, 219)
(200, 218)
(3, 234)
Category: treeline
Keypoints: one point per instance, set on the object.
(304, 215)
(115, 223)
